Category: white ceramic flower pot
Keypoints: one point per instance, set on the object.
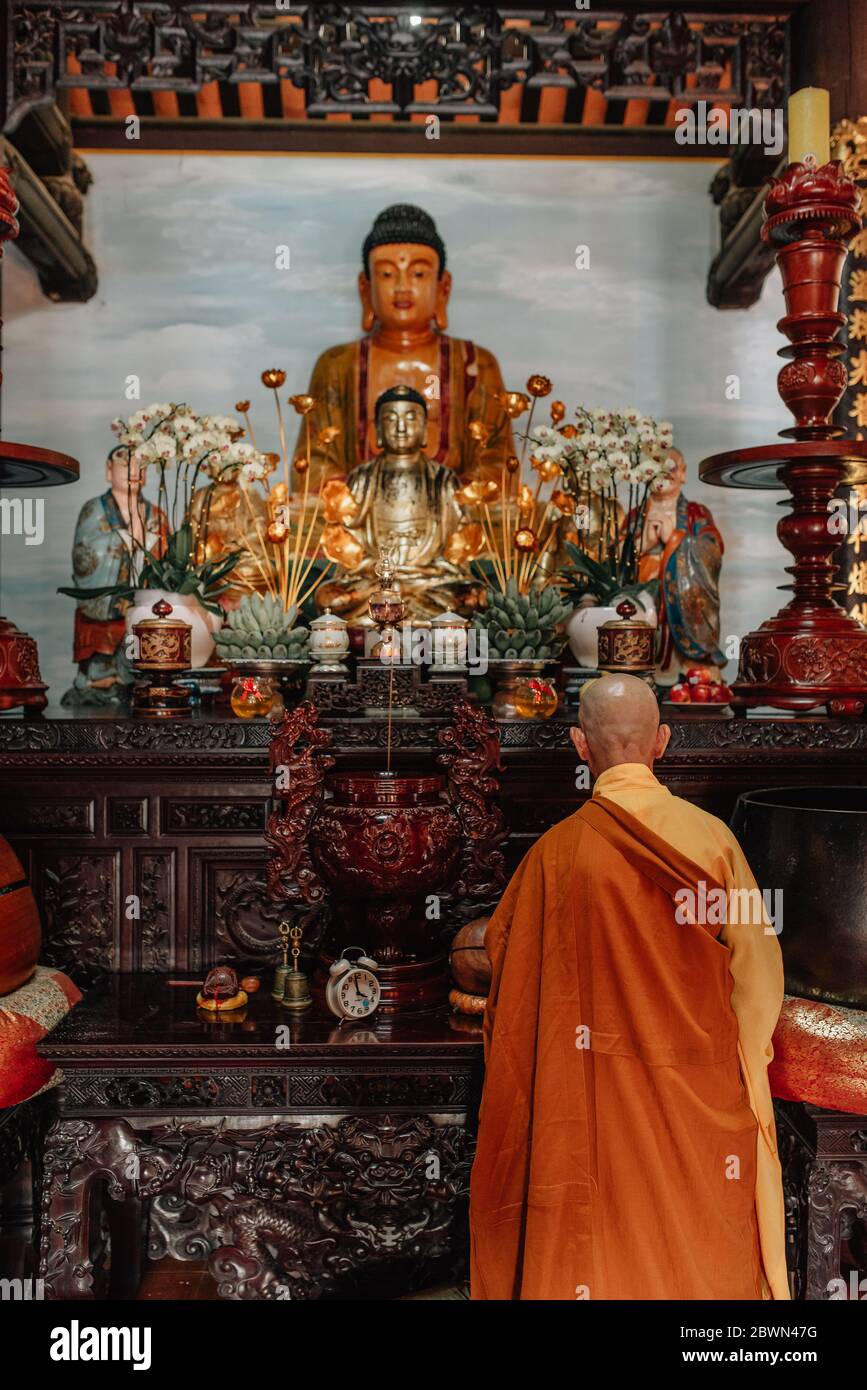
(187, 606)
(583, 627)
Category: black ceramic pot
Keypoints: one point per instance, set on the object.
(811, 842)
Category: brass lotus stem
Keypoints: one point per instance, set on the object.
(527, 435)
(492, 549)
(286, 474)
(301, 514)
(310, 562)
(266, 574)
(539, 556)
(313, 587)
(507, 554)
(249, 425)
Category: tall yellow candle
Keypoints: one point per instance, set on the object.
(809, 124)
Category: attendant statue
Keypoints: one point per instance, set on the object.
(110, 534)
(404, 289)
(406, 504)
(682, 548)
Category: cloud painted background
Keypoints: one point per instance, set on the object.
(190, 301)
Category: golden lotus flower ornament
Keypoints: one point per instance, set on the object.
(271, 462)
(242, 407)
(277, 532)
(301, 465)
(539, 385)
(273, 378)
(514, 403)
(327, 435)
(546, 468)
(477, 493)
(338, 503)
(563, 502)
(302, 404)
(558, 411)
(526, 540)
(279, 493)
(465, 544)
(341, 547)
(513, 463)
(478, 430)
(526, 501)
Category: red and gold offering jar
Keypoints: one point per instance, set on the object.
(164, 647)
(626, 644)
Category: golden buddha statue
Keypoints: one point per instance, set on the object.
(404, 289)
(404, 503)
(223, 520)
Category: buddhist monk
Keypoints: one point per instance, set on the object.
(626, 1144)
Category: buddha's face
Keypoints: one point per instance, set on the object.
(401, 427)
(405, 290)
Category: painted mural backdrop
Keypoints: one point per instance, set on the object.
(193, 302)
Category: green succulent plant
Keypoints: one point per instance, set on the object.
(260, 628)
(523, 626)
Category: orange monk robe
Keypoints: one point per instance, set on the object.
(468, 379)
(604, 1159)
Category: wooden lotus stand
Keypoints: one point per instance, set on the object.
(812, 652)
(23, 466)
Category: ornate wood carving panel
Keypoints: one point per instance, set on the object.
(232, 915)
(79, 894)
(153, 930)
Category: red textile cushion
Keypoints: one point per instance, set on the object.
(820, 1055)
(26, 1015)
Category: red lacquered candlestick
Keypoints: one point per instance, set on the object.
(812, 652)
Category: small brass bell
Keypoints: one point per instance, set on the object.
(296, 991)
(282, 970)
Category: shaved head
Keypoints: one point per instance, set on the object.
(619, 723)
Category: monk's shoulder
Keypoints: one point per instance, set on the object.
(563, 834)
(719, 831)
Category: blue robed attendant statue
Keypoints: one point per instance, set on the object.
(683, 549)
(112, 534)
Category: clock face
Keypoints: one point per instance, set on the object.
(356, 994)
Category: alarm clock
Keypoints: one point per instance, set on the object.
(352, 991)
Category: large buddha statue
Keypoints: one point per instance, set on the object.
(404, 288)
(405, 503)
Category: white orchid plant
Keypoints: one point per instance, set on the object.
(183, 447)
(611, 462)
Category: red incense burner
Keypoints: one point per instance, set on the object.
(395, 861)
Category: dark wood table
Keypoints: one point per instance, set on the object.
(300, 1158)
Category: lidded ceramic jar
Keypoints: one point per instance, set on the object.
(329, 643)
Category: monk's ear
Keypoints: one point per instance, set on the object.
(663, 734)
(368, 317)
(580, 743)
